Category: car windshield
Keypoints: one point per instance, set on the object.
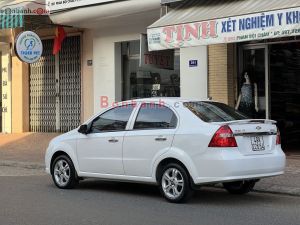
(214, 111)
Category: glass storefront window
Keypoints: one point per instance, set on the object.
(274, 69)
(285, 91)
(139, 82)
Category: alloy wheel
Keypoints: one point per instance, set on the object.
(62, 172)
(172, 183)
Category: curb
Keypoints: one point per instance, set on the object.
(24, 165)
(277, 193)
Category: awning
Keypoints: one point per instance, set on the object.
(110, 15)
(11, 21)
(202, 22)
(10, 14)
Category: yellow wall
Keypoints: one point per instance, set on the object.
(221, 67)
(6, 89)
(20, 96)
(87, 76)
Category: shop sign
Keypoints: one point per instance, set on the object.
(29, 47)
(258, 26)
(156, 59)
(60, 5)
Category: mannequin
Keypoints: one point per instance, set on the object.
(248, 99)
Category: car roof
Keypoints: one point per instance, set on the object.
(167, 100)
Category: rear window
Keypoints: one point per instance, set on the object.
(214, 111)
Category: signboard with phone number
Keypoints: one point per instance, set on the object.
(257, 26)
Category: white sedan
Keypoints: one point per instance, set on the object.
(174, 143)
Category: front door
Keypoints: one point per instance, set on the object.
(151, 135)
(100, 151)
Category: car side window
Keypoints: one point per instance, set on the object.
(154, 116)
(113, 120)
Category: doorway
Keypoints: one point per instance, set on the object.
(254, 62)
(275, 68)
(55, 88)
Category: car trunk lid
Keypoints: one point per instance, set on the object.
(253, 137)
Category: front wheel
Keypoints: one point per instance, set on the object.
(239, 187)
(64, 173)
(175, 184)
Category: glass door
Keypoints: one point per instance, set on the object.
(253, 80)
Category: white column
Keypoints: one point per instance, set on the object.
(194, 72)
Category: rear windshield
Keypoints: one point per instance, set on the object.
(214, 111)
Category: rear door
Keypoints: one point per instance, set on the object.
(151, 134)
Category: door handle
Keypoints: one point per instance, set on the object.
(160, 139)
(113, 140)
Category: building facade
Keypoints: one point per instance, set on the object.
(258, 43)
(214, 46)
(46, 96)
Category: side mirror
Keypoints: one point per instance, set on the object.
(83, 129)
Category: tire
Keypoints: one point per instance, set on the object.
(175, 183)
(239, 187)
(63, 173)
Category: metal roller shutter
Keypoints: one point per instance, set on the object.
(55, 88)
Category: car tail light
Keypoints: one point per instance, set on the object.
(223, 138)
(278, 138)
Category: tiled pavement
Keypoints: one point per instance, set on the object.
(23, 154)
(289, 183)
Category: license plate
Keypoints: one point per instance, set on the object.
(257, 143)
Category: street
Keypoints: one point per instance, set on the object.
(34, 200)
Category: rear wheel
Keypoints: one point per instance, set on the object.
(64, 173)
(239, 187)
(175, 183)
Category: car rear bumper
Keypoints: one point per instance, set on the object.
(224, 165)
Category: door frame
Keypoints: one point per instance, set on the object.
(267, 71)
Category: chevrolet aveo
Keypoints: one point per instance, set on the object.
(174, 143)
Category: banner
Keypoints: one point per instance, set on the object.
(265, 25)
(61, 5)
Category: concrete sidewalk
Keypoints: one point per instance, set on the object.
(25, 154)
